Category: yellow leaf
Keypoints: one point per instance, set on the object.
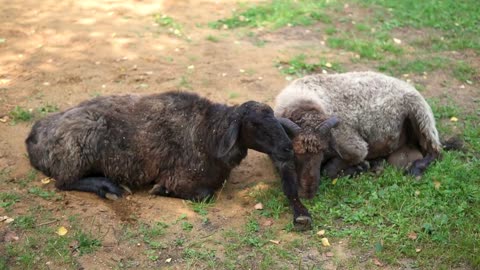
(436, 184)
(325, 242)
(46, 180)
(328, 65)
(321, 232)
(334, 181)
(62, 231)
(453, 119)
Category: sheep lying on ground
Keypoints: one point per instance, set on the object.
(347, 119)
(182, 144)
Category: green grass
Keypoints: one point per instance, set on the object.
(8, 200)
(276, 14)
(21, 114)
(44, 194)
(213, 38)
(416, 66)
(152, 233)
(375, 49)
(301, 65)
(387, 208)
(459, 20)
(28, 178)
(39, 242)
(170, 24)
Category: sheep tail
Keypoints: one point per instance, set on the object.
(423, 122)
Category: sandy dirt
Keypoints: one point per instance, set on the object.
(63, 52)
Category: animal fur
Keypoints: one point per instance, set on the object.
(377, 116)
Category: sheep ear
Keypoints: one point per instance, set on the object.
(229, 139)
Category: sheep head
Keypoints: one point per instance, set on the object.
(255, 126)
(310, 145)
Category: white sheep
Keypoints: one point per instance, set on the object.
(353, 117)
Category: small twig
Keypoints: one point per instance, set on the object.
(46, 223)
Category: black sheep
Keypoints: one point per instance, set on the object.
(182, 144)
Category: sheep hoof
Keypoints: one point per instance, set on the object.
(111, 196)
(127, 189)
(302, 223)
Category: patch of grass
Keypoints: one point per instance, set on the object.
(187, 226)
(276, 14)
(167, 22)
(44, 194)
(464, 72)
(458, 19)
(8, 199)
(184, 83)
(233, 95)
(28, 178)
(443, 110)
(213, 38)
(201, 255)
(151, 234)
(48, 108)
(20, 114)
(417, 66)
(25, 222)
(378, 213)
(87, 243)
(273, 200)
(300, 66)
(368, 49)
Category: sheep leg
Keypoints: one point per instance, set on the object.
(198, 194)
(98, 185)
(302, 220)
(420, 165)
(337, 167)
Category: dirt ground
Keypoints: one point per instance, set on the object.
(63, 52)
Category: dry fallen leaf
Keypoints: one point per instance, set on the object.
(274, 241)
(412, 235)
(377, 262)
(321, 232)
(325, 242)
(397, 41)
(46, 180)
(62, 231)
(3, 218)
(168, 260)
(268, 223)
(437, 184)
(418, 250)
(258, 206)
(9, 220)
(4, 119)
(10, 236)
(453, 119)
(328, 65)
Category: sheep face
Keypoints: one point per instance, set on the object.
(310, 147)
(261, 131)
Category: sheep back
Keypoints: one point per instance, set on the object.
(133, 140)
